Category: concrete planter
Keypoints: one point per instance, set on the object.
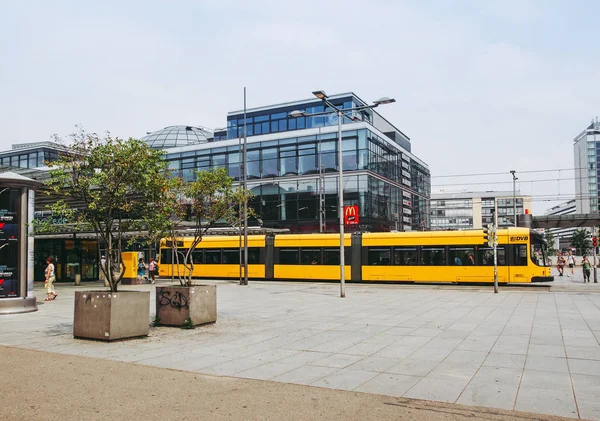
(108, 316)
(175, 304)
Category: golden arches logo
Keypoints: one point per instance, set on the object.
(350, 211)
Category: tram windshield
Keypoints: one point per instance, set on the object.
(539, 252)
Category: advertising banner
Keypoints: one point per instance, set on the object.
(10, 200)
(351, 215)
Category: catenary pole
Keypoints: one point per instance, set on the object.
(341, 208)
(245, 158)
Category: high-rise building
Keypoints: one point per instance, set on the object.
(586, 148)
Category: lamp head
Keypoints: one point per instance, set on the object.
(297, 113)
(320, 94)
(384, 100)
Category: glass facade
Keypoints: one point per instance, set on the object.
(173, 136)
(289, 177)
(278, 120)
(27, 159)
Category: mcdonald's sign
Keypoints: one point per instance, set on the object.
(351, 215)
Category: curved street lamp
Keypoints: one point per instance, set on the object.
(340, 112)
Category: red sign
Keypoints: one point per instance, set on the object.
(351, 215)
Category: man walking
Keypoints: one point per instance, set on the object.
(587, 269)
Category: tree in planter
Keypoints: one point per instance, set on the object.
(580, 240)
(110, 186)
(212, 200)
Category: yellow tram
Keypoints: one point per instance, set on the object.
(420, 256)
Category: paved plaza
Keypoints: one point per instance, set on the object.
(526, 348)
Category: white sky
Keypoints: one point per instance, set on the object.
(482, 86)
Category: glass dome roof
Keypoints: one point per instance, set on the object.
(173, 136)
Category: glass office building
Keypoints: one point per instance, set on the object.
(586, 153)
(292, 166)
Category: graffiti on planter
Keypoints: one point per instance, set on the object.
(177, 301)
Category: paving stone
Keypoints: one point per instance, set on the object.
(413, 367)
(345, 379)
(495, 395)
(549, 380)
(437, 389)
(589, 367)
(546, 401)
(376, 364)
(338, 360)
(496, 359)
(389, 384)
(544, 363)
(306, 374)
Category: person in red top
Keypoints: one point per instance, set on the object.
(560, 264)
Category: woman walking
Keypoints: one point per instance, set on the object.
(50, 278)
(141, 271)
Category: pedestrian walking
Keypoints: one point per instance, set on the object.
(587, 269)
(571, 263)
(102, 270)
(151, 269)
(50, 278)
(560, 264)
(141, 270)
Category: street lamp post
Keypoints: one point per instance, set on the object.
(514, 197)
(340, 115)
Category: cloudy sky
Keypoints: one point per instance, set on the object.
(482, 86)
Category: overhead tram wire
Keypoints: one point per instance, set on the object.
(504, 182)
(507, 172)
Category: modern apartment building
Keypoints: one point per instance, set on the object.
(472, 210)
(586, 152)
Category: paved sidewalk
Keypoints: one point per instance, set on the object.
(525, 349)
(44, 386)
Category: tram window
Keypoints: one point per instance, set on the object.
(212, 257)
(380, 256)
(405, 256)
(485, 257)
(180, 256)
(461, 256)
(539, 254)
(520, 255)
(197, 256)
(165, 257)
(289, 256)
(232, 256)
(311, 256)
(433, 256)
(331, 256)
(253, 255)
